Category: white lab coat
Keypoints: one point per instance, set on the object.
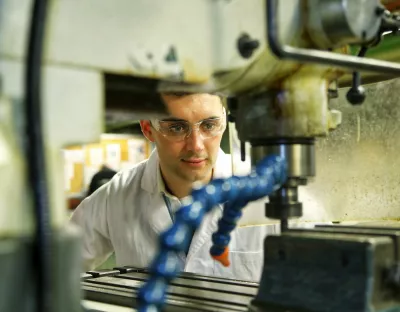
(127, 215)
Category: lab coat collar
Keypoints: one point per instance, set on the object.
(151, 176)
(149, 179)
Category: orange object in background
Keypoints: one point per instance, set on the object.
(392, 6)
(74, 202)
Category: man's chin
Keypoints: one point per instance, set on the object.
(194, 175)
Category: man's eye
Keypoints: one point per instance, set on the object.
(209, 125)
(178, 128)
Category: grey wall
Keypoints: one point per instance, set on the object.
(358, 165)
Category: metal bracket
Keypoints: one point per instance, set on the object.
(354, 63)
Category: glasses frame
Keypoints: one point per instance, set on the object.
(155, 123)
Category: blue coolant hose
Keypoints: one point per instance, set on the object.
(235, 192)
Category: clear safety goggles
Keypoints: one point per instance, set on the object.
(179, 130)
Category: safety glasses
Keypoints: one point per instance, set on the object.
(179, 130)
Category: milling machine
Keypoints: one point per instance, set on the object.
(278, 61)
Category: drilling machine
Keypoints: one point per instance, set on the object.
(277, 61)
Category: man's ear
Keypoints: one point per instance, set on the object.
(147, 130)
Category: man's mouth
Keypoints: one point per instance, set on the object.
(195, 162)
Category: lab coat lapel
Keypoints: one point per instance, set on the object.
(160, 219)
(149, 178)
(154, 208)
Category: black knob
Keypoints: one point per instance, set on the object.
(247, 46)
(356, 95)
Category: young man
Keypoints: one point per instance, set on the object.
(127, 214)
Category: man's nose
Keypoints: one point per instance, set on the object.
(195, 140)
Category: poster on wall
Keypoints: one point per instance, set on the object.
(96, 156)
(74, 156)
(68, 175)
(113, 156)
(136, 151)
(71, 157)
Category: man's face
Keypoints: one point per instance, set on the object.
(192, 158)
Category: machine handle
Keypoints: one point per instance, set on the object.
(354, 63)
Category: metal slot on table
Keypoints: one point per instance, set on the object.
(195, 276)
(126, 297)
(201, 283)
(186, 293)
